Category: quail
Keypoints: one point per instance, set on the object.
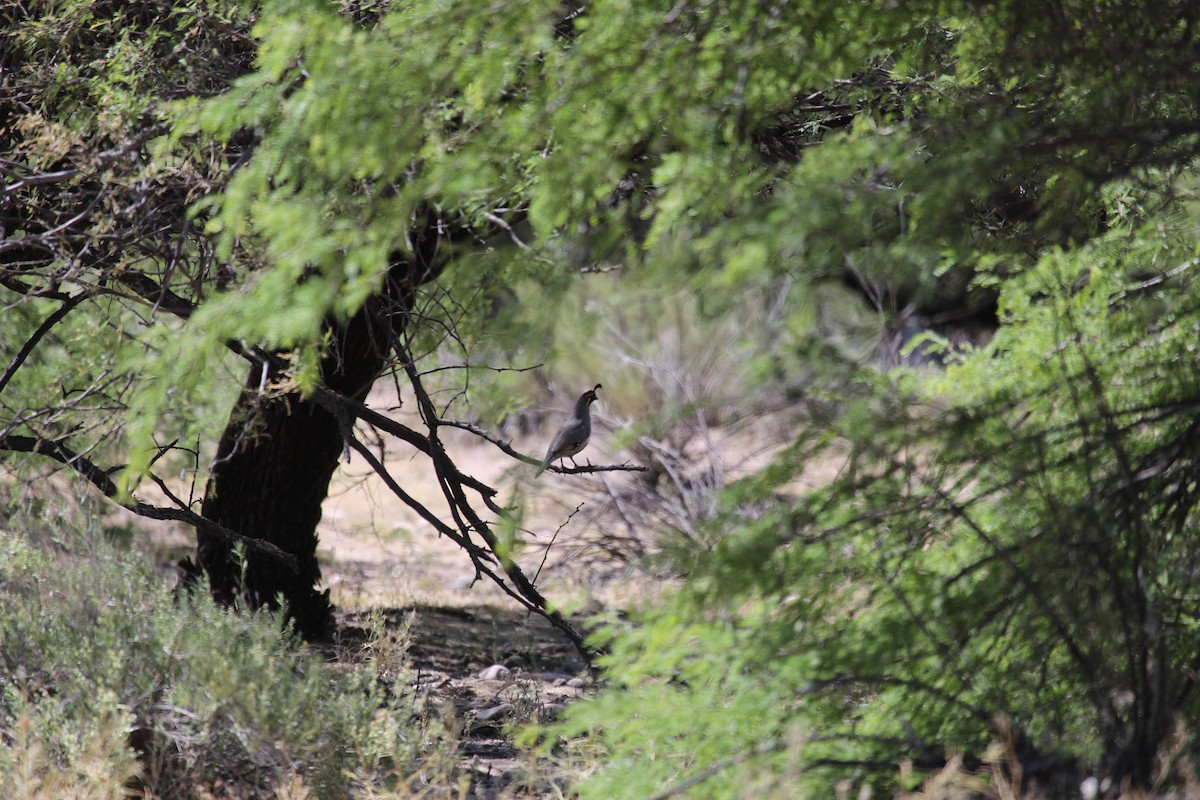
(575, 432)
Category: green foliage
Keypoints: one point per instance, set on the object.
(998, 546)
(1012, 543)
(124, 59)
(493, 113)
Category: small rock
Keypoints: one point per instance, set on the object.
(495, 712)
(577, 683)
(1090, 788)
(495, 672)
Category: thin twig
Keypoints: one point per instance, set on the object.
(99, 478)
(557, 531)
(37, 336)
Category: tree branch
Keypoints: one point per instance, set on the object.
(508, 450)
(99, 478)
(375, 464)
(467, 519)
(59, 314)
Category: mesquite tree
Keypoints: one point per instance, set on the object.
(135, 287)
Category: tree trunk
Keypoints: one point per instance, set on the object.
(277, 456)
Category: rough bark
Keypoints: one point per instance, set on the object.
(278, 454)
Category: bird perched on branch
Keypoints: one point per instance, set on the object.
(573, 436)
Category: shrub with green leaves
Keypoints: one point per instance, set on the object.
(1009, 554)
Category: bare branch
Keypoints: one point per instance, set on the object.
(469, 520)
(59, 314)
(156, 294)
(441, 527)
(508, 450)
(99, 478)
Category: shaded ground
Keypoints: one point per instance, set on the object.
(458, 641)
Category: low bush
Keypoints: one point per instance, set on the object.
(112, 685)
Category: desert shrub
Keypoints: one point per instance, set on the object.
(102, 662)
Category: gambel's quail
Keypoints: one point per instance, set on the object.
(574, 434)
